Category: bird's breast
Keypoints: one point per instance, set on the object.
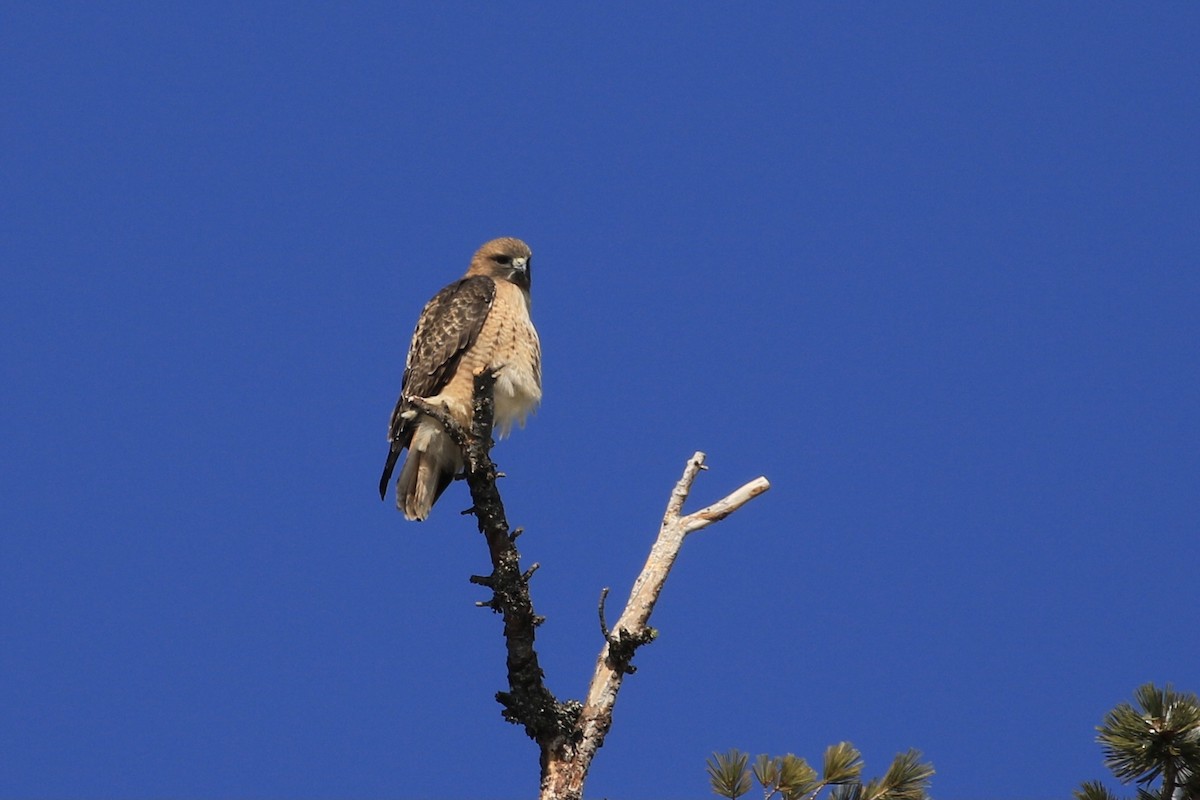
(516, 356)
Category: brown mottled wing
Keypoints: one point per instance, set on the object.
(448, 326)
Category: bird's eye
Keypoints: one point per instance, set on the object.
(502, 259)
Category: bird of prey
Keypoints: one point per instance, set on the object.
(480, 322)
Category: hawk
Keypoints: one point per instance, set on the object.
(480, 322)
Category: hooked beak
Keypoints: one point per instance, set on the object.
(521, 275)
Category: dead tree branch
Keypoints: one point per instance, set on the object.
(568, 733)
(528, 702)
(569, 766)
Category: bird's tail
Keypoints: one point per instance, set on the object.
(433, 460)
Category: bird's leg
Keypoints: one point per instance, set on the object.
(442, 414)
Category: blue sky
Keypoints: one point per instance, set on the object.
(931, 268)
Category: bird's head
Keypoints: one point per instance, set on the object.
(504, 259)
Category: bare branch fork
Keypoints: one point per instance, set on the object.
(568, 733)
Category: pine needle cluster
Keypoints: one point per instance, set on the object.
(792, 778)
(1155, 745)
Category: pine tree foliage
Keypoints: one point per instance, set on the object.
(1156, 740)
(906, 779)
(1094, 790)
(792, 778)
(728, 774)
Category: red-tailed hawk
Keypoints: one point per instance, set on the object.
(478, 323)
